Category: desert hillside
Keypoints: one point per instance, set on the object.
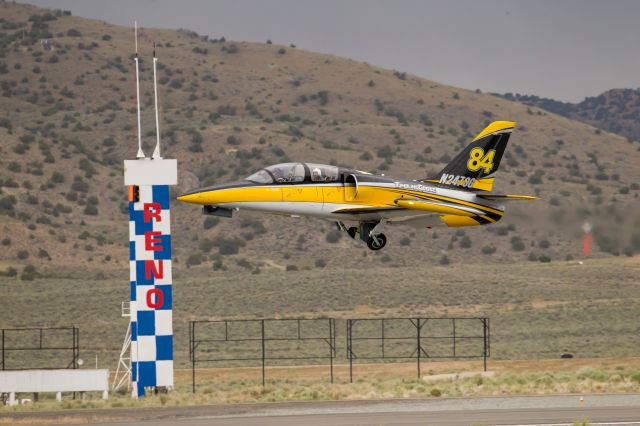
(228, 108)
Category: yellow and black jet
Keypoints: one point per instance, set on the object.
(362, 203)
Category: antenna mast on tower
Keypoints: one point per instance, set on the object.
(140, 152)
(156, 152)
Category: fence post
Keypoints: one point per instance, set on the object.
(350, 349)
(3, 349)
(76, 345)
(382, 336)
(484, 334)
(418, 345)
(192, 330)
(454, 337)
(263, 354)
(331, 348)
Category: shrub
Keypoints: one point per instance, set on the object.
(517, 244)
(405, 241)
(57, 177)
(277, 151)
(543, 244)
(91, 210)
(320, 263)
(194, 259)
(400, 75)
(14, 167)
(106, 37)
(226, 110)
(29, 273)
(11, 272)
(206, 245)
(292, 268)
(72, 32)
(333, 236)
(444, 260)
(23, 254)
(6, 241)
(282, 51)
(465, 242)
(436, 392)
(366, 156)
(385, 152)
(79, 185)
(536, 177)
(217, 264)
(488, 250)
(232, 48)
(210, 222)
(228, 246)
(544, 258)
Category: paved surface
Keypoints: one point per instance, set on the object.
(546, 410)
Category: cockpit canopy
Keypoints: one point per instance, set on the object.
(295, 173)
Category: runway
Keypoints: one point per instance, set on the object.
(534, 410)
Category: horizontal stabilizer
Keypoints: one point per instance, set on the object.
(497, 197)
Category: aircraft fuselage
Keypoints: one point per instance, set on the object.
(353, 197)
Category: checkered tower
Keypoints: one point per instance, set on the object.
(151, 289)
(151, 292)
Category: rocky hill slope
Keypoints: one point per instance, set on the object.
(67, 120)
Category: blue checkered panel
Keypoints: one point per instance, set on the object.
(151, 289)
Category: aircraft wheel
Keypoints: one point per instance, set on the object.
(352, 232)
(377, 245)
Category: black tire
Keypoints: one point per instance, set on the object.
(382, 241)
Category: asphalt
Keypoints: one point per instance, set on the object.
(543, 410)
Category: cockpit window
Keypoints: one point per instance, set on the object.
(260, 177)
(323, 173)
(287, 172)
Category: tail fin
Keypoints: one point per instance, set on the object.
(475, 167)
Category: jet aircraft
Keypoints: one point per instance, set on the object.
(361, 203)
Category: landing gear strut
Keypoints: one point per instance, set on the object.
(366, 231)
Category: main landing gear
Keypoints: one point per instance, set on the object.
(367, 233)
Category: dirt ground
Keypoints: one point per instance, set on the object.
(390, 370)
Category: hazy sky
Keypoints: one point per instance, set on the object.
(564, 49)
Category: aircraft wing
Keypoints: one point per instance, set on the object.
(372, 213)
(438, 207)
(398, 215)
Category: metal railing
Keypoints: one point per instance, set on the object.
(34, 342)
(261, 340)
(417, 338)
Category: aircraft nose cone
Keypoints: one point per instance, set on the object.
(193, 198)
(211, 194)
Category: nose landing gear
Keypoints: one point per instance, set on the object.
(367, 233)
(377, 241)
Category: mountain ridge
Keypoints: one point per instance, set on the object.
(615, 110)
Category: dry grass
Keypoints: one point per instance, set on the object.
(536, 311)
(378, 381)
